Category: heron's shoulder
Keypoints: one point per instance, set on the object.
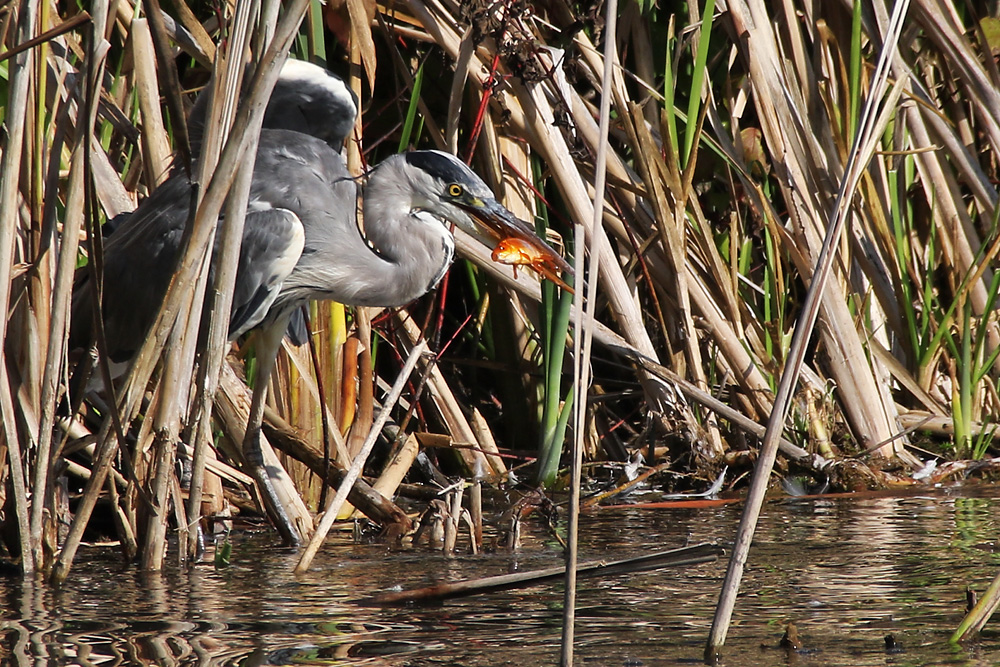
(278, 148)
(314, 101)
(315, 81)
(158, 219)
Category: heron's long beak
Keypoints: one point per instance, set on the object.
(503, 226)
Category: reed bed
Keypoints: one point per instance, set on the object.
(731, 126)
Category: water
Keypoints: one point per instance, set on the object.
(846, 571)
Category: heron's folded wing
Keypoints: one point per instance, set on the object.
(272, 244)
(298, 329)
(140, 257)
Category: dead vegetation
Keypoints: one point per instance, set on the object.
(729, 138)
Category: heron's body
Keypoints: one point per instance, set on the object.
(300, 242)
(301, 239)
(306, 99)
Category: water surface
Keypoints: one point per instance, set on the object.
(846, 571)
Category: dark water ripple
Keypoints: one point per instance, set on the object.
(847, 572)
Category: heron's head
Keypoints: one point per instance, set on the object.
(445, 187)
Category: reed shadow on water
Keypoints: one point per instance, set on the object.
(846, 573)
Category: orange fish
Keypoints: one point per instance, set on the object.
(518, 252)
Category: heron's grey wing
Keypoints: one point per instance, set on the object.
(306, 98)
(298, 331)
(312, 111)
(272, 244)
(139, 261)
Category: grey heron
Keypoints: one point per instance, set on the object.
(302, 241)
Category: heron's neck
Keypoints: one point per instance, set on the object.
(414, 248)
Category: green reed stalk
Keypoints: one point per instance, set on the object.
(315, 34)
(971, 370)
(669, 82)
(411, 112)
(698, 80)
(556, 311)
(855, 70)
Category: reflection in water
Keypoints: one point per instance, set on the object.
(846, 572)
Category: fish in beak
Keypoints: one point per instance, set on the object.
(462, 198)
(516, 242)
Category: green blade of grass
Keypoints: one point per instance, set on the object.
(698, 79)
(411, 111)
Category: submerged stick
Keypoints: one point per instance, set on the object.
(694, 555)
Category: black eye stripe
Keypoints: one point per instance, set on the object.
(439, 165)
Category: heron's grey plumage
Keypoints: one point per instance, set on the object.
(272, 245)
(302, 239)
(306, 98)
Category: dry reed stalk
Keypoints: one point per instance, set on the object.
(77, 431)
(308, 382)
(41, 522)
(296, 393)
(364, 385)
(918, 420)
(286, 395)
(167, 413)
(484, 436)
(331, 338)
(206, 50)
(394, 472)
(155, 144)
(232, 407)
(16, 474)
(584, 321)
(31, 312)
(128, 543)
(329, 327)
(336, 502)
(154, 546)
(10, 171)
(349, 391)
(448, 408)
(453, 519)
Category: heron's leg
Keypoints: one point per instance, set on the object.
(268, 342)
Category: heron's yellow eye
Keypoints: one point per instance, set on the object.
(455, 190)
